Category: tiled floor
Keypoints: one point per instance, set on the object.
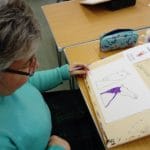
(47, 53)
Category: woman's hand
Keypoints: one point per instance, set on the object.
(79, 70)
(56, 140)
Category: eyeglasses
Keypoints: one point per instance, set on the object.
(32, 63)
(18, 72)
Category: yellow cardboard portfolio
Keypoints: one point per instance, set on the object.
(119, 89)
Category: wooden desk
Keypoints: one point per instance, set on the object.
(88, 53)
(72, 23)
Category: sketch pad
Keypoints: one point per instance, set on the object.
(93, 2)
(119, 89)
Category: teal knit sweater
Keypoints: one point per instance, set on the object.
(25, 120)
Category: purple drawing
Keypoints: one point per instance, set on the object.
(114, 92)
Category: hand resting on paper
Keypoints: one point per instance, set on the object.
(79, 70)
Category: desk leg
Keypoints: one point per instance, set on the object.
(59, 58)
(72, 79)
(60, 52)
(59, 55)
(72, 83)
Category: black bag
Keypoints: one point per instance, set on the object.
(118, 4)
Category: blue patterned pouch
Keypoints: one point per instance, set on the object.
(118, 39)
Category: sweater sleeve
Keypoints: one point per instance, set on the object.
(56, 147)
(46, 80)
(6, 144)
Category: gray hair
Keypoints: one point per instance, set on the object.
(19, 32)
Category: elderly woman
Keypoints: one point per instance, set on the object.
(25, 119)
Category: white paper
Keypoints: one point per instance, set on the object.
(119, 90)
(92, 2)
(138, 53)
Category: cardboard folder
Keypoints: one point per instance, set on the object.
(119, 89)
